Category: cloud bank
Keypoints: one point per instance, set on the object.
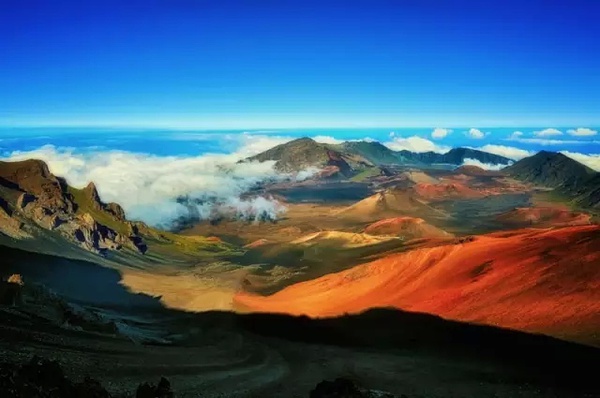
(415, 144)
(150, 187)
(592, 160)
(506, 151)
(582, 132)
(547, 132)
(485, 166)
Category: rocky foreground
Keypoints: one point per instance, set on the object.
(42, 378)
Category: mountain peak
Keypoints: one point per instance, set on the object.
(303, 153)
(92, 192)
(551, 169)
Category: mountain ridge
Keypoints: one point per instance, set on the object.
(41, 212)
(351, 157)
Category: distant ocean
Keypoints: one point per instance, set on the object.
(186, 143)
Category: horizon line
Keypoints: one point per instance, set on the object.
(273, 129)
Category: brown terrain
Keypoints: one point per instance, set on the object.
(407, 280)
(544, 281)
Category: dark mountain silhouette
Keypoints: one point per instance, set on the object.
(552, 169)
(555, 170)
(589, 194)
(373, 151)
(455, 156)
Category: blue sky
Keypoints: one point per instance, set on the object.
(262, 64)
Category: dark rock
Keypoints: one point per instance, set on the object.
(39, 378)
(346, 388)
(116, 210)
(42, 378)
(139, 244)
(90, 388)
(11, 291)
(162, 390)
(339, 388)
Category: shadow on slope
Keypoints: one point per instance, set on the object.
(75, 280)
(518, 357)
(523, 357)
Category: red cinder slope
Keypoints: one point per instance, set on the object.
(544, 281)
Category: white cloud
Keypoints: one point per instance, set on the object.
(327, 139)
(148, 185)
(475, 133)
(582, 132)
(250, 144)
(485, 166)
(546, 141)
(516, 134)
(591, 160)
(415, 144)
(440, 132)
(506, 151)
(547, 133)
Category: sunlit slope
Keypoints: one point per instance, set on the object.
(406, 227)
(535, 280)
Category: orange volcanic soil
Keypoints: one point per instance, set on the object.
(549, 216)
(408, 227)
(544, 281)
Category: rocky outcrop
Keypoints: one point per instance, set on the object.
(116, 210)
(92, 235)
(91, 193)
(34, 178)
(9, 225)
(44, 200)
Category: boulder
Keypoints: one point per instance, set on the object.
(162, 390)
(11, 290)
(346, 388)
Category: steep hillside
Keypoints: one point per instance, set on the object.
(552, 169)
(589, 195)
(40, 212)
(545, 281)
